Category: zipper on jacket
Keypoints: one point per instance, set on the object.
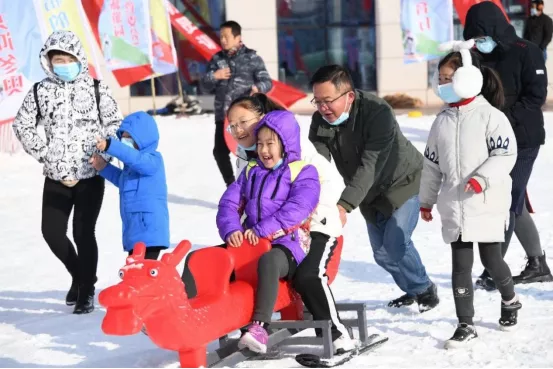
(252, 186)
(277, 185)
(259, 197)
(458, 154)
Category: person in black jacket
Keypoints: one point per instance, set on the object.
(521, 66)
(539, 27)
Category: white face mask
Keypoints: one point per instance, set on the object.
(341, 119)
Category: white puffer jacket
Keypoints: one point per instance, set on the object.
(69, 114)
(326, 218)
(472, 141)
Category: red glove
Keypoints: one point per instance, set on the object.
(426, 214)
(474, 186)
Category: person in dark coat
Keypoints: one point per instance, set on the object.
(521, 67)
(539, 27)
(233, 72)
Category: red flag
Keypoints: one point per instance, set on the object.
(463, 6)
(126, 76)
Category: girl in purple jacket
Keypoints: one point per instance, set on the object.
(277, 193)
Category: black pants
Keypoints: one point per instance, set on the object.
(188, 278)
(311, 282)
(85, 198)
(152, 252)
(221, 153)
(463, 292)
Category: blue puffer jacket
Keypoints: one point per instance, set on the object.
(142, 184)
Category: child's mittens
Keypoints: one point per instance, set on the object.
(473, 186)
(426, 214)
(97, 162)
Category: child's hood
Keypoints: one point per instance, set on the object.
(142, 128)
(65, 41)
(287, 128)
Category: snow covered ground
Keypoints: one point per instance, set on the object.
(37, 329)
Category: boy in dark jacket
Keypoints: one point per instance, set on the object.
(142, 184)
(521, 67)
(233, 72)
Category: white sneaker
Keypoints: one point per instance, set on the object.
(343, 344)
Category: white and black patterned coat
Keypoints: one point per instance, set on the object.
(69, 114)
(472, 141)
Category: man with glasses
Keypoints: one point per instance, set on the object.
(381, 170)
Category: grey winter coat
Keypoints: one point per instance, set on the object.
(70, 116)
(472, 141)
(246, 70)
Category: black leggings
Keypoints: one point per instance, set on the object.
(463, 291)
(85, 199)
(221, 154)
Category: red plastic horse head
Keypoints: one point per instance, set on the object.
(144, 289)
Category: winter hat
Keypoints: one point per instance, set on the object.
(468, 79)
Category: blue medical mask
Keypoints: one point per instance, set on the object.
(67, 72)
(278, 164)
(447, 93)
(486, 45)
(534, 12)
(251, 148)
(127, 141)
(341, 119)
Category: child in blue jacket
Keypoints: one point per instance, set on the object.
(141, 182)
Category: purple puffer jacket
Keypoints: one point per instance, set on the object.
(275, 207)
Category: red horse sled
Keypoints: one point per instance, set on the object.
(151, 295)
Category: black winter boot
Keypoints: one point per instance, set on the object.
(404, 300)
(85, 301)
(72, 294)
(536, 270)
(485, 282)
(509, 314)
(428, 300)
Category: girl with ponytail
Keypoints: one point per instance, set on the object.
(470, 151)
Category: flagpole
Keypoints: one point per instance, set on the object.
(179, 84)
(153, 86)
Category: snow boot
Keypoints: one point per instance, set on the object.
(404, 300)
(485, 282)
(73, 293)
(85, 300)
(536, 270)
(256, 338)
(343, 344)
(462, 337)
(509, 314)
(429, 299)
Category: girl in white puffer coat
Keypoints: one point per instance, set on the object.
(470, 151)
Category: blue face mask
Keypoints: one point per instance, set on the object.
(341, 119)
(447, 93)
(251, 148)
(533, 12)
(278, 164)
(127, 141)
(67, 72)
(486, 45)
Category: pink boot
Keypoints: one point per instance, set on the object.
(255, 338)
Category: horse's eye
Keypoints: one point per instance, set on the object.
(154, 272)
(121, 274)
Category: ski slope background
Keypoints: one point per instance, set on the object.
(38, 330)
